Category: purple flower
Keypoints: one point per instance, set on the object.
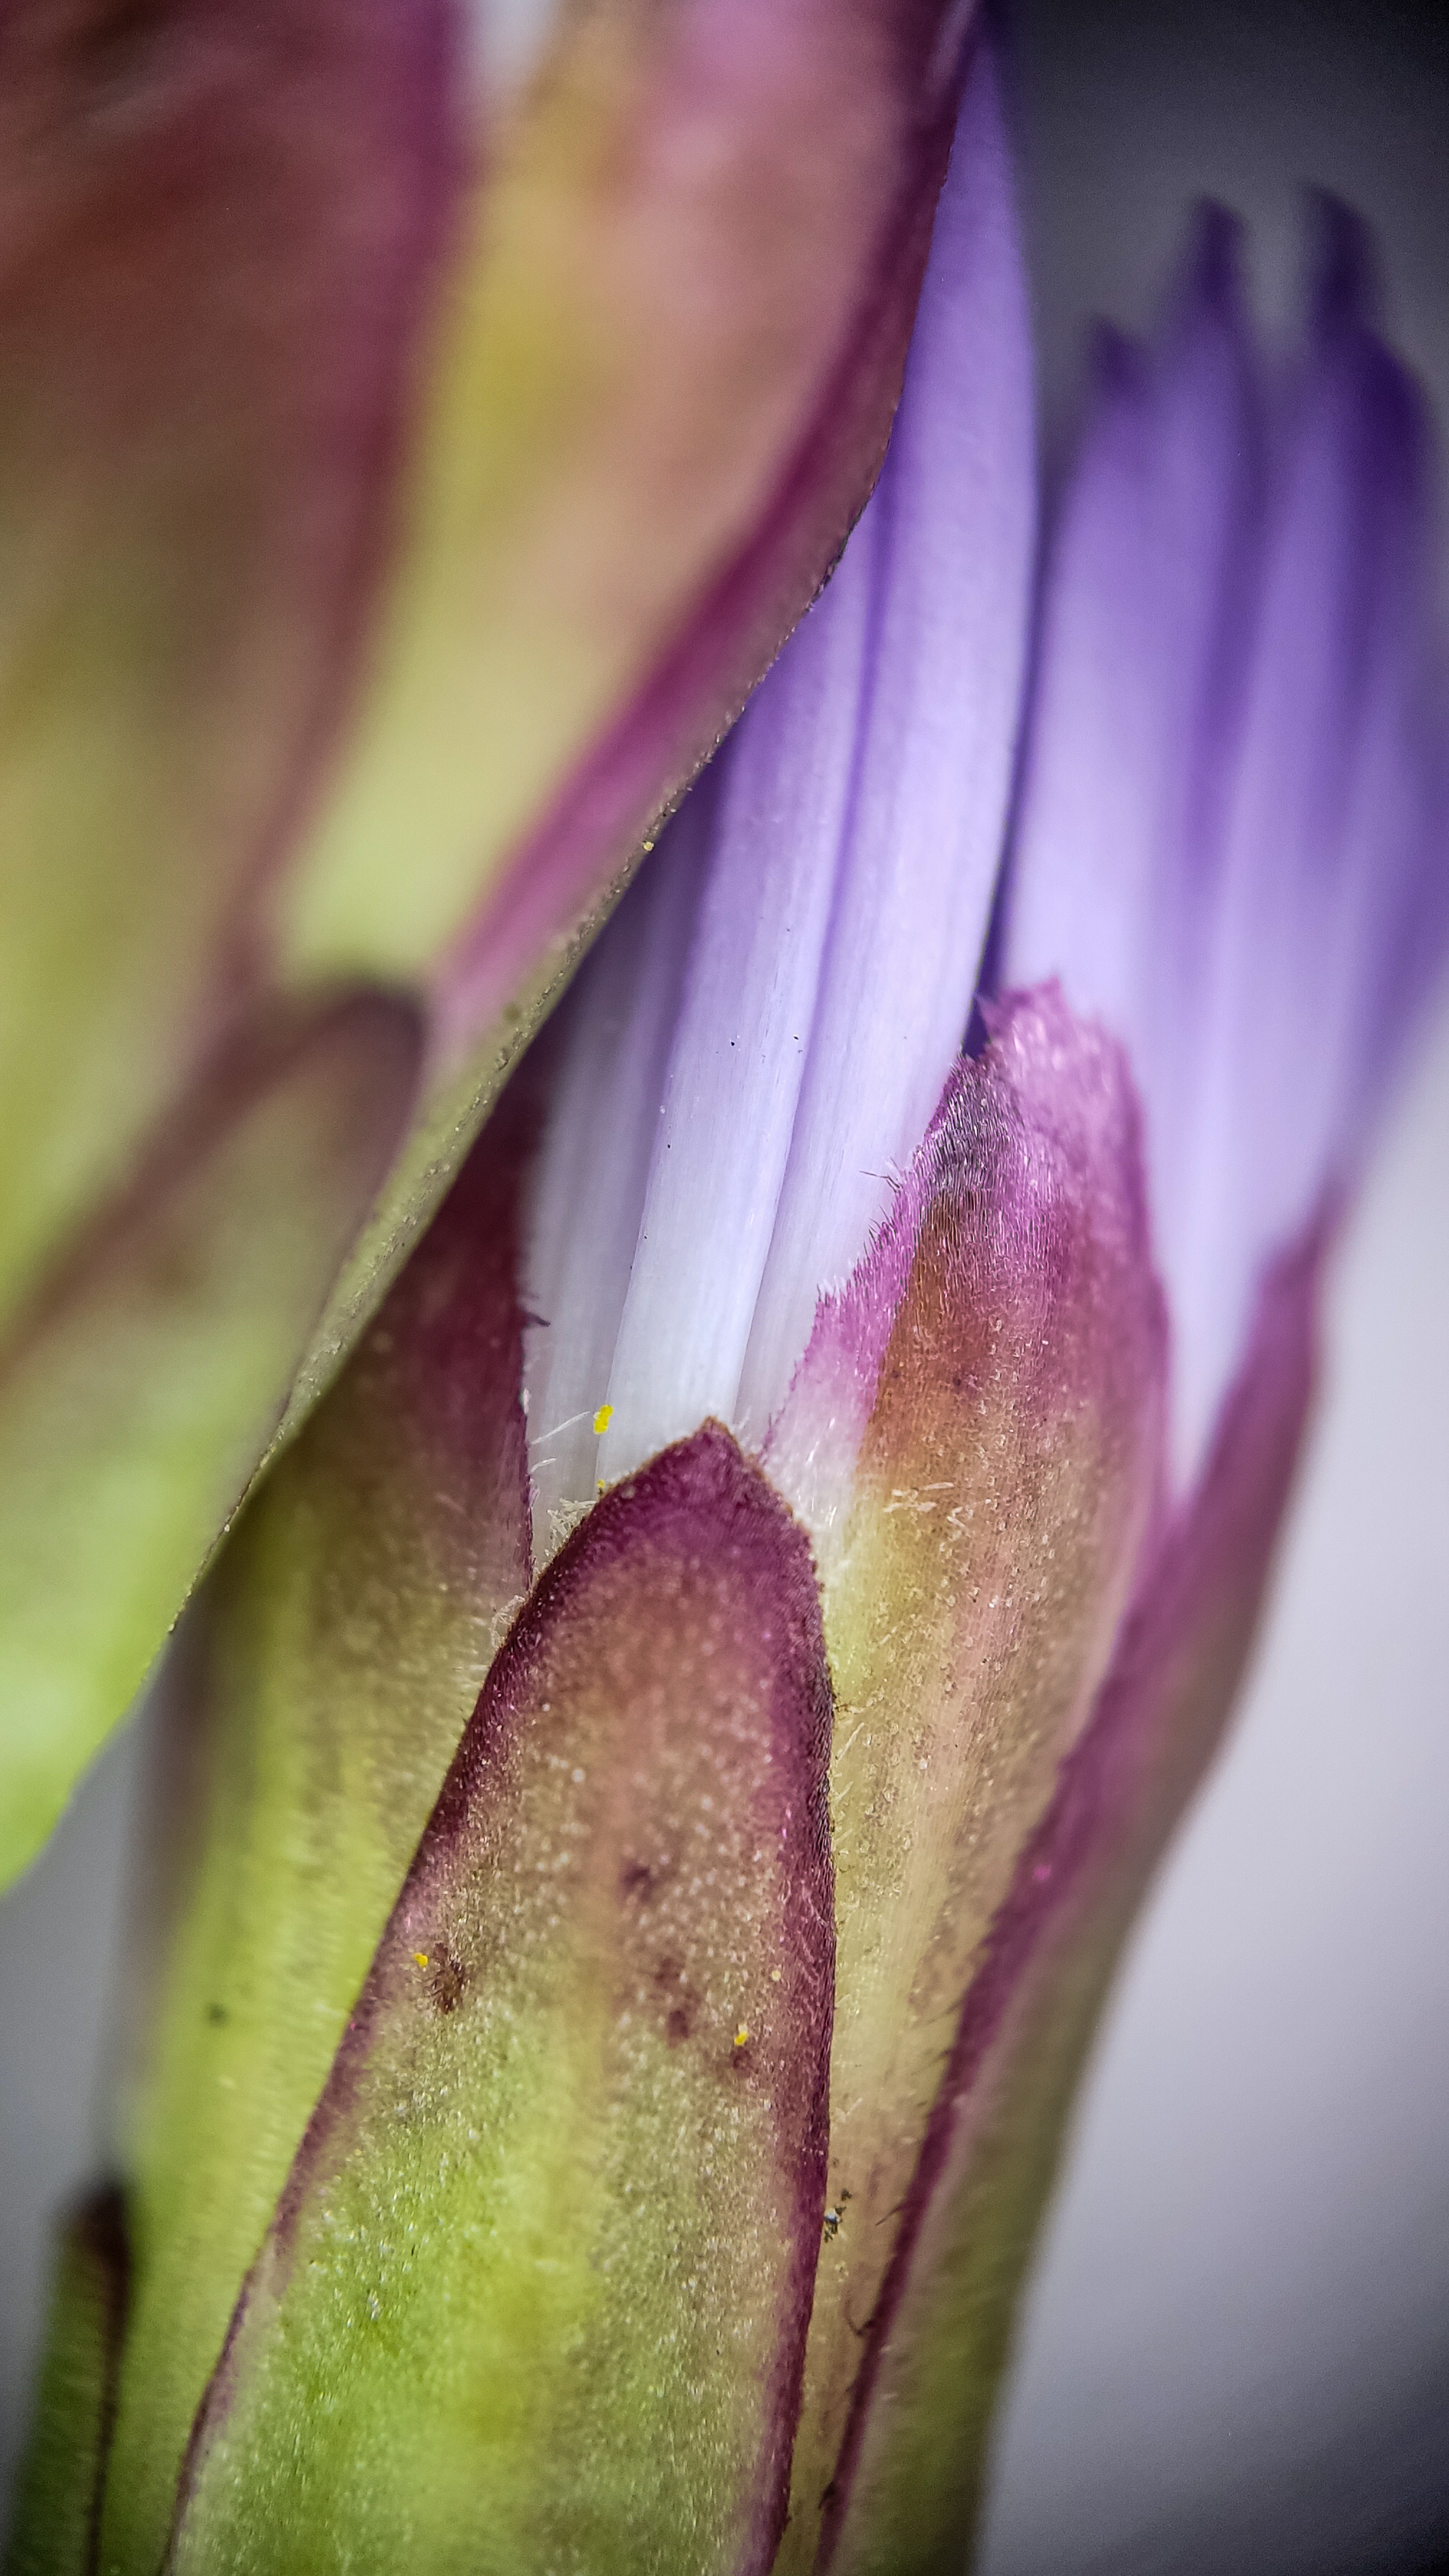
(840, 1474)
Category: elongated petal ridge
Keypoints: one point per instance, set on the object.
(401, 489)
(1231, 840)
(845, 848)
(551, 2234)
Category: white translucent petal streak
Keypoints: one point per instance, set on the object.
(1318, 838)
(1137, 692)
(733, 1081)
(586, 1191)
(1092, 772)
(923, 844)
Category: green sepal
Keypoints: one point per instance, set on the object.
(312, 1711)
(146, 1382)
(58, 2493)
(536, 2290)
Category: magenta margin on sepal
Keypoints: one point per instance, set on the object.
(663, 1689)
(907, 2485)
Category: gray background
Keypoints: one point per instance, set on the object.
(1236, 2349)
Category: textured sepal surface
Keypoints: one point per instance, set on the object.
(908, 2485)
(996, 1367)
(309, 1719)
(536, 2291)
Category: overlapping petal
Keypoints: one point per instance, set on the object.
(1233, 802)
(404, 487)
(862, 797)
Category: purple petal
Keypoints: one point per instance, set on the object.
(854, 833)
(937, 737)
(586, 1197)
(1333, 842)
(1231, 839)
(721, 1141)
(1138, 678)
(646, 438)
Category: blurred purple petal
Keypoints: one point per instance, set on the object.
(1231, 824)
(938, 728)
(1138, 666)
(1333, 833)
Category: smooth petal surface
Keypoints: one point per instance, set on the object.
(1009, 1457)
(937, 736)
(1231, 840)
(908, 2484)
(1138, 685)
(1333, 909)
(138, 1393)
(549, 2240)
(610, 1046)
(320, 1690)
(58, 2497)
(851, 829)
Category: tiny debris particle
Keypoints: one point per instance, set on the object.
(775, 1976)
(421, 1957)
(742, 2034)
(603, 1418)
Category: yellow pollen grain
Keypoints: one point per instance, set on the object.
(421, 1957)
(742, 2034)
(603, 1418)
